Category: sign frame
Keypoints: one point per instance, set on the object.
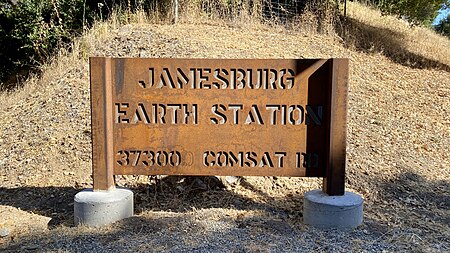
(103, 72)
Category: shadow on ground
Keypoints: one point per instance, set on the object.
(184, 194)
(53, 202)
(414, 205)
(197, 233)
(371, 39)
(428, 201)
(172, 193)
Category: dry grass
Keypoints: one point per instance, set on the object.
(415, 46)
(398, 144)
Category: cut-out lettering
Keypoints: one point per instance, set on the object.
(218, 110)
(269, 114)
(243, 159)
(280, 156)
(314, 115)
(204, 79)
(221, 78)
(296, 114)
(266, 160)
(143, 113)
(307, 160)
(161, 114)
(174, 112)
(254, 116)
(140, 115)
(148, 158)
(121, 112)
(235, 109)
(273, 77)
(287, 78)
(182, 79)
(273, 113)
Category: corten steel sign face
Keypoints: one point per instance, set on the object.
(219, 117)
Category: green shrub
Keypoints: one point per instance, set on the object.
(31, 30)
(415, 11)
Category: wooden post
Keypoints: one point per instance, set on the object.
(102, 123)
(334, 181)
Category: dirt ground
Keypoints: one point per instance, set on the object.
(398, 146)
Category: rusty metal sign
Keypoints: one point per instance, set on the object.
(219, 117)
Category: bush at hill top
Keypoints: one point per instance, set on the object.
(31, 30)
(415, 11)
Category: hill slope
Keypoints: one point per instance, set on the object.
(398, 146)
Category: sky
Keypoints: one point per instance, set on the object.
(442, 14)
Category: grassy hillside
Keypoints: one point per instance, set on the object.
(398, 144)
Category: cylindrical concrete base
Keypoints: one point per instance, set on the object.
(92, 208)
(323, 211)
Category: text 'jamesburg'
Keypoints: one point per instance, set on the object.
(220, 78)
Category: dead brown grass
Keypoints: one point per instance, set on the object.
(368, 30)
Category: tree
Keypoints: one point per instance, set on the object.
(446, 5)
(415, 11)
(32, 30)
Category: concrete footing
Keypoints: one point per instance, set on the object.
(98, 208)
(324, 211)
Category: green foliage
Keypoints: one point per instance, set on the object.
(415, 11)
(443, 27)
(29, 27)
(31, 30)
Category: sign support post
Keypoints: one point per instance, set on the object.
(102, 123)
(334, 180)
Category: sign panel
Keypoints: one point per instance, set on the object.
(219, 117)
